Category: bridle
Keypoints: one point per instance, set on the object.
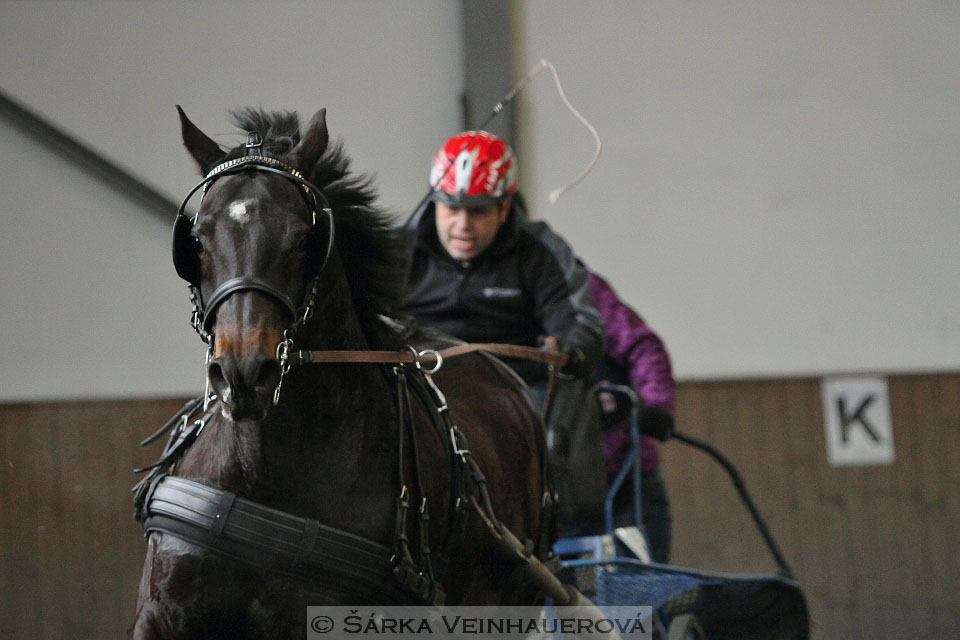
(187, 262)
(320, 246)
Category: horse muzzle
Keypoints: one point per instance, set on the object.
(245, 385)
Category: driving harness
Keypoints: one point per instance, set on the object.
(302, 548)
(299, 547)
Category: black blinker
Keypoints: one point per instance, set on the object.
(185, 258)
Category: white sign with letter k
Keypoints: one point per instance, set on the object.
(857, 416)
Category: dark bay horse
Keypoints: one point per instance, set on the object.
(321, 442)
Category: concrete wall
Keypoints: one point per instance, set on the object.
(777, 191)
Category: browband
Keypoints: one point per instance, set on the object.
(261, 163)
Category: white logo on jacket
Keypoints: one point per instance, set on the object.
(501, 292)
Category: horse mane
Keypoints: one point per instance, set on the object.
(367, 237)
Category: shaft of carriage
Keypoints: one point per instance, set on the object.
(569, 601)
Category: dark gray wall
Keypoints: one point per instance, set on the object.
(488, 55)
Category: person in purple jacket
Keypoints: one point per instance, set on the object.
(635, 356)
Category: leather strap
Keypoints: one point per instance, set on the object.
(245, 283)
(180, 440)
(416, 577)
(188, 410)
(428, 357)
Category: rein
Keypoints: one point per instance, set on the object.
(554, 359)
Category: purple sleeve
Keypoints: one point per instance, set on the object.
(634, 346)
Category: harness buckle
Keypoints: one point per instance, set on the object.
(283, 355)
(206, 371)
(254, 144)
(196, 319)
(457, 449)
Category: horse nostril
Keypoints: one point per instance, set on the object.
(218, 381)
(245, 385)
(268, 377)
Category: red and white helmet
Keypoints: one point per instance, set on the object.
(473, 168)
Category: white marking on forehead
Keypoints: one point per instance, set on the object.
(240, 210)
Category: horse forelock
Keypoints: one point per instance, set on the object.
(279, 130)
(367, 238)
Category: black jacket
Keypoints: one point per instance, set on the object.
(525, 285)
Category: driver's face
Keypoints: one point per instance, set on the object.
(466, 232)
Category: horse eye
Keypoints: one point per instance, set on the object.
(302, 243)
(197, 244)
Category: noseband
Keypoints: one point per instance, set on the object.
(187, 263)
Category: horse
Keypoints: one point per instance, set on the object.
(289, 250)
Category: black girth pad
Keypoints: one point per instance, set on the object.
(336, 561)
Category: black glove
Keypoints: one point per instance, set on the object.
(655, 423)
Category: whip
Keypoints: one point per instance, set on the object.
(504, 101)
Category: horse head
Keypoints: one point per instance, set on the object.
(252, 255)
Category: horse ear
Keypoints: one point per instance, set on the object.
(205, 151)
(312, 145)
